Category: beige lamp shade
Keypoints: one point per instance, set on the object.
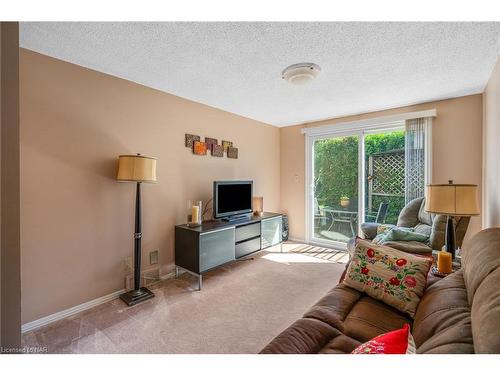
(452, 199)
(136, 168)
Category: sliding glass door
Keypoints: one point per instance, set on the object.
(335, 188)
(359, 176)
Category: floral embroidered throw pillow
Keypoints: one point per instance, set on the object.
(389, 275)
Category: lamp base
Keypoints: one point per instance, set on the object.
(449, 242)
(136, 296)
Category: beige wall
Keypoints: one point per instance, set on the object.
(77, 221)
(456, 148)
(491, 139)
(10, 212)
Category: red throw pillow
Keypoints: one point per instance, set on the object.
(399, 341)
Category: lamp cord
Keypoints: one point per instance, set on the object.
(206, 208)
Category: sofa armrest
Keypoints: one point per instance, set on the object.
(369, 230)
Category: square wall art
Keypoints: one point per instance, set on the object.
(199, 148)
(210, 142)
(190, 139)
(218, 151)
(227, 144)
(232, 153)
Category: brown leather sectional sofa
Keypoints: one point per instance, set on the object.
(457, 314)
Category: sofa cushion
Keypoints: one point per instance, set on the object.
(408, 217)
(481, 269)
(423, 216)
(392, 276)
(450, 341)
(306, 336)
(442, 321)
(335, 306)
(356, 314)
(340, 344)
(369, 230)
(369, 318)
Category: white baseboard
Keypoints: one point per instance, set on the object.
(68, 312)
(169, 275)
(297, 239)
(79, 308)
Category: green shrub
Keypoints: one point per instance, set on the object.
(336, 170)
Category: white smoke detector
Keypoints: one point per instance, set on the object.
(300, 74)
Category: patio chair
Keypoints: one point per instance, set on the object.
(320, 216)
(380, 216)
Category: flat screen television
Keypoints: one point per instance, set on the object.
(232, 198)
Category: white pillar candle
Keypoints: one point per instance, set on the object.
(195, 212)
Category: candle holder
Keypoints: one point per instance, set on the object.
(189, 205)
(195, 218)
(258, 206)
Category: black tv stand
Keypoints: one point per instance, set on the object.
(217, 242)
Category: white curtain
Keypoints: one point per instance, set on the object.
(415, 133)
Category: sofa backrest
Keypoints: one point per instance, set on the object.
(413, 215)
(481, 269)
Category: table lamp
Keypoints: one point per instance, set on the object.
(139, 169)
(451, 200)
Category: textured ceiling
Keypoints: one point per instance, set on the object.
(237, 66)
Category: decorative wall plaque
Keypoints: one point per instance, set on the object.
(190, 139)
(200, 148)
(218, 151)
(232, 153)
(210, 142)
(227, 144)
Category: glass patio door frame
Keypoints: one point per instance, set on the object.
(361, 132)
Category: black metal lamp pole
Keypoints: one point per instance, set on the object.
(137, 238)
(138, 294)
(449, 242)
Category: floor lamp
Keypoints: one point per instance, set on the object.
(451, 200)
(138, 169)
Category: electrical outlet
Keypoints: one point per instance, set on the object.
(153, 257)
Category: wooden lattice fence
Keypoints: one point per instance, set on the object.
(386, 175)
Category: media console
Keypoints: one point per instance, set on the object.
(216, 243)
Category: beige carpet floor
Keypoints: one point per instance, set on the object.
(241, 307)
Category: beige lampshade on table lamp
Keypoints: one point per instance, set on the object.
(451, 200)
(139, 169)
